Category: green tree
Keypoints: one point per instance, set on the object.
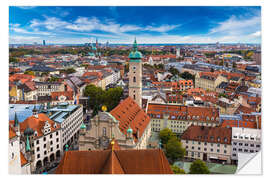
(112, 97)
(174, 150)
(99, 97)
(126, 68)
(198, 167)
(234, 65)
(174, 71)
(13, 60)
(186, 75)
(29, 72)
(165, 135)
(96, 95)
(53, 79)
(177, 170)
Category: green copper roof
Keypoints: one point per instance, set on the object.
(83, 126)
(28, 131)
(135, 54)
(129, 130)
(16, 121)
(27, 146)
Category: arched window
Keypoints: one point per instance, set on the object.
(134, 79)
(134, 97)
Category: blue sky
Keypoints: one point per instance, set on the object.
(68, 24)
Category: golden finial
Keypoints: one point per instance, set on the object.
(112, 143)
(104, 108)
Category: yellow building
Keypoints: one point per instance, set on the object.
(208, 80)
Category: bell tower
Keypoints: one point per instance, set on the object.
(135, 74)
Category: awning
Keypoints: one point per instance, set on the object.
(213, 157)
(223, 158)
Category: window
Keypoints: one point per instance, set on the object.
(211, 150)
(57, 133)
(44, 139)
(38, 155)
(234, 154)
(205, 149)
(240, 150)
(225, 151)
(37, 141)
(44, 146)
(258, 145)
(45, 152)
(57, 146)
(192, 147)
(51, 149)
(57, 139)
(134, 79)
(51, 136)
(246, 144)
(217, 150)
(134, 97)
(251, 145)
(51, 142)
(104, 131)
(199, 154)
(37, 149)
(199, 148)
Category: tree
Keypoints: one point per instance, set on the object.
(186, 75)
(177, 170)
(174, 71)
(126, 68)
(234, 65)
(29, 72)
(174, 150)
(165, 135)
(198, 167)
(95, 94)
(99, 97)
(13, 60)
(112, 97)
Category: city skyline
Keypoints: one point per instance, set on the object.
(78, 25)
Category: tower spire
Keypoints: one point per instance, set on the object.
(16, 121)
(135, 45)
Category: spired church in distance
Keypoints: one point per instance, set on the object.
(127, 123)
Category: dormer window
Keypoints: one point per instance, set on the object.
(35, 133)
(218, 139)
(54, 125)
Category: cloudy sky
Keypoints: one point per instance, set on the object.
(76, 25)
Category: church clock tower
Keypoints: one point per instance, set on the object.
(135, 74)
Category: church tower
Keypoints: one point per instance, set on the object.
(135, 74)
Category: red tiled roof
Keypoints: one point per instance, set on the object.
(184, 112)
(12, 133)
(128, 113)
(23, 159)
(37, 124)
(67, 94)
(148, 161)
(208, 134)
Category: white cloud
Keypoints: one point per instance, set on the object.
(237, 26)
(17, 29)
(256, 34)
(162, 28)
(50, 23)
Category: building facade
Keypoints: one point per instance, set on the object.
(70, 118)
(178, 117)
(245, 140)
(208, 143)
(127, 123)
